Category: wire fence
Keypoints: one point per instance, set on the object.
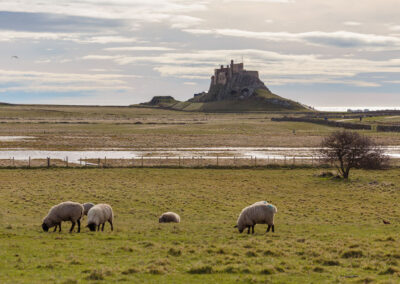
(181, 162)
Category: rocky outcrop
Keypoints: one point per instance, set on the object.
(160, 99)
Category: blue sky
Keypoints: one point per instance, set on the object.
(120, 52)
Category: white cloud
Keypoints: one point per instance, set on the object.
(34, 81)
(139, 48)
(395, 28)
(338, 38)
(352, 24)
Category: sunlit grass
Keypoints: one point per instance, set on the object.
(327, 230)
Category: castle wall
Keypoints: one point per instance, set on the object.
(236, 68)
(223, 74)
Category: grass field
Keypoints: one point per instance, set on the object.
(327, 230)
(72, 128)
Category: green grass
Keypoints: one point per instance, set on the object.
(327, 230)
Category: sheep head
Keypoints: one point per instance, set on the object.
(45, 227)
(92, 227)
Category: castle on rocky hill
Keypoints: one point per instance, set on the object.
(224, 74)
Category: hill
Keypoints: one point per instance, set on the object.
(232, 89)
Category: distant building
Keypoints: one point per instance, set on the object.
(224, 74)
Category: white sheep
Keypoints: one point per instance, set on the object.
(168, 217)
(99, 215)
(65, 211)
(258, 213)
(87, 207)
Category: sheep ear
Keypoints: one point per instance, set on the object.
(235, 226)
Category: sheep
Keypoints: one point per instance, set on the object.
(99, 215)
(65, 211)
(168, 217)
(258, 213)
(87, 207)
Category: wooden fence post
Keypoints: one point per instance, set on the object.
(142, 161)
(98, 162)
(29, 162)
(105, 161)
(255, 161)
(217, 161)
(48, 162)
(66, 161)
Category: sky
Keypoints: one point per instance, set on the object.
(119, 52)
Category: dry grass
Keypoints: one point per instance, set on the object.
(68, 128)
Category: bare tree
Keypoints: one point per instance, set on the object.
(347, 150)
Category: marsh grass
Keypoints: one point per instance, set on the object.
(326, 230)
(77, 128)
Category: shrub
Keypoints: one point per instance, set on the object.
(349, 150)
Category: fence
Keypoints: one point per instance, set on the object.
(388, 128)
(182, 162)
(346, 125)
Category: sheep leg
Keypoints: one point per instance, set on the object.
(273, 228)
(248, 229)
(252, 229)
(269, 227)
(98, 228)
(79, 225)
(55, 228)
(72, 227)
(102, 227)
(59, 227)
(112, 227)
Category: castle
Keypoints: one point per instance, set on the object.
(224, 74)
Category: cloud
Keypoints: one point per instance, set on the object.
(173, 11)
(395, 28)
(261, 1)
(53, 22)
(34, 81)
(352, 24)
(139, 48)
(10, 35)
(337, 39)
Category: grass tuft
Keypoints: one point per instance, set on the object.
(352, 254)
(206, 269)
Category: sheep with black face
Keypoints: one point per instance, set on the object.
(169, 217)
(258, 213)
(65, 211)
(99, 215)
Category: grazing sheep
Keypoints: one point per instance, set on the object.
(65, 211)
(168, 217)
(99, 215)
(87, 207)
(258, 213)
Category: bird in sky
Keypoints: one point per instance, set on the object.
(14, 57)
